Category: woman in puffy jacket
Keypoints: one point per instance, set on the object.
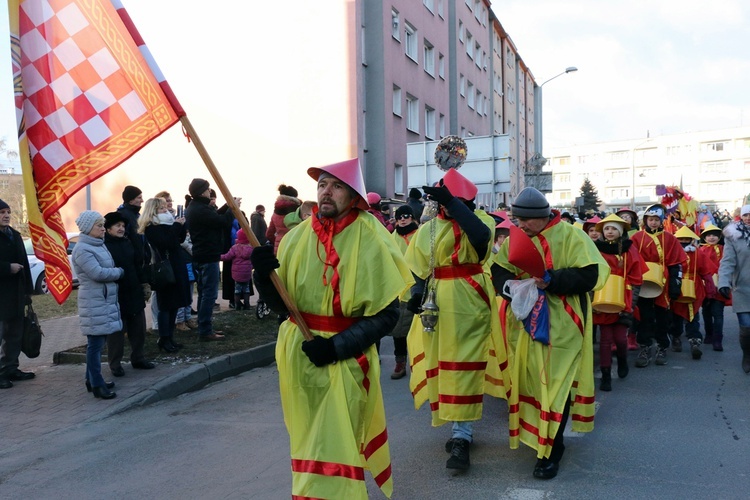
(286, 203)
(98, 308)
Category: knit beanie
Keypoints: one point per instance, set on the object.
(415, 193)
(197, 187)
(130, 193)
(287, 190)
(87, 219)
(404, 210)
(745, 210)
(241, 238)
(3, 205)
(530, 204)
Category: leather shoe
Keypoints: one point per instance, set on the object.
(5, 383)
(103, 393)
(108, 385)
(211, 338)
(143, 365)
(118, 372)
(545, 469)
(19, 375)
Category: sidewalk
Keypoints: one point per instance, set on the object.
(57, 398)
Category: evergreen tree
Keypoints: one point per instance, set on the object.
(590, 196)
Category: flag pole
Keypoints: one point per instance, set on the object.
(243, 223)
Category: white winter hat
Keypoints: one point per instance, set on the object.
(745, 210)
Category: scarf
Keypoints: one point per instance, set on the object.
(744, 231)
(403, 231)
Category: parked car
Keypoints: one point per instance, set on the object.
(38, 278)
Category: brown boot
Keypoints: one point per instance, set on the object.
(745, 345)
(400, 370)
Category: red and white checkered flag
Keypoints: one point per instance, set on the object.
(88, 96)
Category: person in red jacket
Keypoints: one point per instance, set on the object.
(286, 203)
(624, 261)
(660, 250)
(713, 307)
(698, 271)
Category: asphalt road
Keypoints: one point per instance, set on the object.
(677, 431)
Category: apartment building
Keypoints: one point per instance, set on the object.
(712, 166)
(435, 68)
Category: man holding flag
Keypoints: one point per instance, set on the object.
(345, 275)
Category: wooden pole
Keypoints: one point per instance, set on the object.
(216, 176)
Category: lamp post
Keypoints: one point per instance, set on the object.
(538, 107)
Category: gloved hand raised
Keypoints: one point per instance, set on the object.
(626, 319)
(439, 193)
(264, 261)
(320, 350)
(726, 292)
(414, 304)
(675, 288)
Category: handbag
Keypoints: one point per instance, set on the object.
(160, 272)
(31, 339)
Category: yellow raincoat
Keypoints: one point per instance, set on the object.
(544, 376)
(465, 357)
(335, 415)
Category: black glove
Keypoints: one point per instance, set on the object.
(675, 288)
(726, 292)
(264, 261)
(27, 300)
(440, 193)
(415, 304)
(320, 350)
(626, 319)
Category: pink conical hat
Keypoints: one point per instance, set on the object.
(459, 186)
(347, 172)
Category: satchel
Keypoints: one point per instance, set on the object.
(31, 339)
(160, 272)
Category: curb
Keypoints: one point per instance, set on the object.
(194, 377)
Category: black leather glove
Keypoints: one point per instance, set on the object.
(626, 319)
(414, 304)
(27, 300)
(675, 288)
(726, 292)
(320, 350)
(264, 261)
(440, 193)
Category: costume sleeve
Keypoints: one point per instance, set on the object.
(499, 276)
(573, 281)
(358, 337)
(477, 232)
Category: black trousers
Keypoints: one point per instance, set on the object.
(135, 327)
(654, 324)
(558, 447)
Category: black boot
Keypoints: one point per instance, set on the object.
(103, 393)
(459, 451)
(606, 384)
(108, 385)
(716, 341)
(622, 366)
(745, 345)
(165, 344)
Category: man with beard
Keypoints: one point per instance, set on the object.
(406, 226)
(345, 275)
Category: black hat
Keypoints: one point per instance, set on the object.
(130, 193)
(415, 193)
(113, 218)
(3, 205)
(197, 187)
(404, 210)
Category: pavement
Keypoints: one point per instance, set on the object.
(57, 398)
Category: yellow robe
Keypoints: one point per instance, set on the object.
(543, 377)
(465, 357)
(335, 415)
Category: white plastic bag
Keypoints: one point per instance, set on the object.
(524, 294)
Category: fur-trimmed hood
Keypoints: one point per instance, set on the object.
(732, 231)
(286, 204)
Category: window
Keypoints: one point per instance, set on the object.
(619, 155)
(462, 85)
(440, 8)
(565, 195)
(411, 41)
(480, 103)
(470, 96)
(463, 131)
(716, 146)
(715, 167)
(469, 44)
(395, 25)
(412, 113)
(441, 66)
(429, 5)
(429, 122)
(564, 161)
(461, 31)
(477, 56)
(477, 10)
(429, 58)
(442, 125)
(397, 100)
(562, 178)
(398, 177)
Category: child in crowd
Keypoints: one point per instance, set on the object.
(589, 227)
(697, 283)
(625, 271)
(302, 213)
(242, 270)
(713, 307)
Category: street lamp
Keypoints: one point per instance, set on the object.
(569, 69)
(538, 108)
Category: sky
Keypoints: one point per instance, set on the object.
(645, 67)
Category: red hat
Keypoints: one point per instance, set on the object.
(504, 224)
(459, 186)
(241, 238)
(347, 172)
(373, 198)
(591, 222)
